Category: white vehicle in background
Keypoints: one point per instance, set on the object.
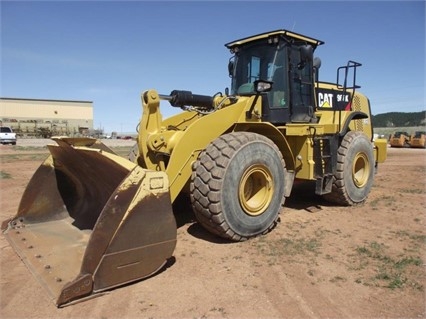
(7, 136)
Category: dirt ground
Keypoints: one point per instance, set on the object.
(321, 261)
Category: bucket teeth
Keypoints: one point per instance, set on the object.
(78, 288)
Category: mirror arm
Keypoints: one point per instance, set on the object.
(260, 87)
(250, 111)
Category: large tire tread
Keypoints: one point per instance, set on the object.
(340, 194)
(206, 186)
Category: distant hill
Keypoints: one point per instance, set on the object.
(399, 119)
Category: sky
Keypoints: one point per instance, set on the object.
(109, 52)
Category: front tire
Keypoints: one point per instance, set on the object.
(354, 172)
(237, 186)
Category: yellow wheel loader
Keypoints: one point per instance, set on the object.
(418, 139)
(399, 139)
(90, 220)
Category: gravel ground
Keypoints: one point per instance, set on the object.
(321, 260)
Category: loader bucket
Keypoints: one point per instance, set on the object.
(90, 220)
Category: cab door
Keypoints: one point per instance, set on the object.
(301, 86)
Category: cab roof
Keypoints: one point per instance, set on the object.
(284, 33)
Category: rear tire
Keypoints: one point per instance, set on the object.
(355, 170)
(237, 186)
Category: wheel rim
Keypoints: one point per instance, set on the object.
(256, 190)
(360, 170)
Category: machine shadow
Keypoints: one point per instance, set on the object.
(303, 198)
(184, 215)
(182, 210)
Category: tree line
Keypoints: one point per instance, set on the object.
(399, 119)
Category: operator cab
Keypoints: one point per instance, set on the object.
(284, 58)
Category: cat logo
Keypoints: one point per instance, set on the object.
(325, 104)
(325, 99)
(331, 99)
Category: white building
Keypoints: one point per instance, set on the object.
(44, 118)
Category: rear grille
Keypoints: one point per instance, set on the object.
(356, 106)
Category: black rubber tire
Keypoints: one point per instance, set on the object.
(355, 170)
(226, 189)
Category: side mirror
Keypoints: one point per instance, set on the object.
(317, 65)
(231, 66)
(317, 62)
